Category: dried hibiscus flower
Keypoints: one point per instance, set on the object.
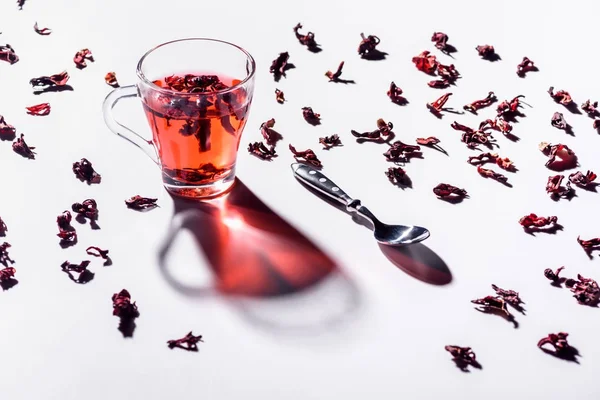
(88, 209)
(439, 83)
(557, 340)
(462, 357)
(307, 40)
(189, 342)
(140, 203)
(525, 66)
(367, 45)
(7, 277)
(554, 188)
(85, 172)
(85, 275)
(585, 181)
(97, 252)
(566, 157)
(487, 52)
(42, 31)
(330, 141)
(590, 108)
(446, 191)
(123, 307)
(510, 296)
(472, 138)
(50, 81)
(261, 151)
(20, 4)
(279, 96)
(488, 173)
(401, 152)
(4, 257)
(81, 57)
(432, 142)
(558, 121)
(561, 96)
(395, 94)
(585, 290)
(533, 221)
(7, 53)
(441, 42)
(491, 303)
(280, 65)
(335, 76)
(384, 129)
(398, 176)
(426, 62)
(498, 124)
(554, 275)
(508, 109)
(66, 232)
(39, 109)
(7, 131)
(307, 156)
(20, 147)
(448, 72)
(310, 116)
(111, 79)
(436, 107)
(3, 228)
(478, 104)
(271, 135)
(589, 245)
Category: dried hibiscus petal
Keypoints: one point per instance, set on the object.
(533, 221)
(260, 150)
(395, 94)
(525, 66)
(111, 79)
(7, 53)
(585, 290)
(3, 228)
(441, 42)
(20, 4)
(487, 52)
(488, 173)
(7, 131)
(42, 31)
(271, 135)
(52, 80)
(445, 191)
(66, 232)
(462, 357)
(308, 156)
(280, 65)
(437, 106)
(4, 257)
(429, 141)
(589, 245)
(478, 104)
(85, 172)
(279, 96)
(189, 342)
(581, 180)
(20, 147)
(448, 72)
(439, 83)
(81, 57)
(335, 76)
(330, 141)
(558, 121)
(310, 116)
(367, 45)
(97, 252)
(554, 275)
(401, 152)
(554, 188)
(85, 275)
(560, 156)
(498, 124)
(307, 40)
(39, 109)
(425, 62)
(590, 108)
(123, 307)
(557, 340)
(562, 97)
(384, 129)
(483, 158)
(510, 296)
(7, 277)
(398, 176)
(492, 303)
(140, 203)
(508, 109)
(88, 208)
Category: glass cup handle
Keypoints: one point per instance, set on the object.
(116, 127)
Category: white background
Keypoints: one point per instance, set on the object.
(368, 328)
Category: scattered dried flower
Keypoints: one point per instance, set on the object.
(488, 173)
(508, 109)
(310, 116)
(140, 203)
(81, 57)
(7, 131)
(307, 40)
(585, 290)
(398, 176)
(554, 188)
(462, 356)
(429, 141)
(441, 42)
(335, 76)
(498, 124)
(437, 106)
(4, 257)
(533, 221)
(330, 141)
(39, 109)
(509, 296)
(123, 307)
(589, 245)
(20, 147)
(384, 129)
(439, 83)
(483, 158)
(446, 191)
(189, 342)
(566, 157)
(279, 96)
(306, 156)
(42, 31)
(85, 172)
(561, 96)
(66, 232)
(88, 209)
(84, 274)
(472, 138)
(7, 275)
(491, 303)
(279, 65)
(97, 252)
(7, 53)
(111, 79)
(3, 228)
(50, 81)
(558, 121)
(367, 45)
(584, 181)
(478, 104)
(401, 152)
(590, 108)
(448, 72)
(487, 52)
(395, 94)
(261, 151)
(426, 62)
(557, 340)
(554, 275)
(525, 66)
(20, 4)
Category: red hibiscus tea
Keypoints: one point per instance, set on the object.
(196, 94)
(197, 133)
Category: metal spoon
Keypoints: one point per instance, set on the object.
(386, 234)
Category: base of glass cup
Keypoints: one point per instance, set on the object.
(200, 192)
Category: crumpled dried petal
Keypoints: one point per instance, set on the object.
(52, 80)
(138, 202)
(279, 65)
(39, 109)
(444, 190)
(398, 176)
(123, 307)
(20, 147)
(7, 53)
(525, 66)
(42, 31)
(425, 62)
(488, 173)
(579, 179)
(562, 97)
(111, 79)
(7, 131)
(554, 188)
(189, 342)
(486, 51)
(308, 156)
(260, 150)
(85, 172)
(367, 44)
(81, 57)
(532, 220)
(330, 141)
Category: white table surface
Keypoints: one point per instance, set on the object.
(367, 329)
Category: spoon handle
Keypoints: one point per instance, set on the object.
(316, 180)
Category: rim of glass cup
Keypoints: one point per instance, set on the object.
(143, 78)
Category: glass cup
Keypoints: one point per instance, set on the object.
(195, 132)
